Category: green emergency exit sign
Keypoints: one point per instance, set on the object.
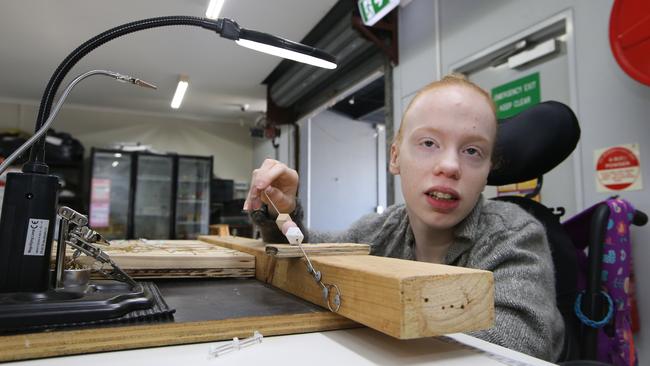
(517, 96)
(373, 10)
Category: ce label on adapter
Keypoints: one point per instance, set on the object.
(36, 237)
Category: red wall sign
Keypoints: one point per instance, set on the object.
(618, 168)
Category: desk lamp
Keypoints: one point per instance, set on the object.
(30, 199)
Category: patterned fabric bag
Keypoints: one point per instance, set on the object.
(615, 341)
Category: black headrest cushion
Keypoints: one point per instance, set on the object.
(533, 142)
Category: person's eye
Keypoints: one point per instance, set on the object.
(472, 151)
(428, 143)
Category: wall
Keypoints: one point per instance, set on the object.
(612, 108)
(230, 144)
(285, 152)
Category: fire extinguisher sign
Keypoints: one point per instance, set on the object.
(618, 168)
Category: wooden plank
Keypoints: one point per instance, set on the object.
(404, 299)
(293, 251)
(187, 273)
(220, 229)
(163, 254)
(177, 259)
(62, 343)
(263, 262)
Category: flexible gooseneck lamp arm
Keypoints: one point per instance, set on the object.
(44, 128)
(227, 28)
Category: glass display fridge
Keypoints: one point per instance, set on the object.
(110, 192)
(137, 195)
(193, 196)
(152, 203)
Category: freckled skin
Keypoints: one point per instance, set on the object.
(447, 141)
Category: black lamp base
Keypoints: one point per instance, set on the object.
(27, 225)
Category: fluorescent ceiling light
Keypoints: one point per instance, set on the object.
(183, 83)
(285, 53)
(214, 8)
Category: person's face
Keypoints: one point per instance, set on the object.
(444, 154)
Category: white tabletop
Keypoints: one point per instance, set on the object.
(361, 346)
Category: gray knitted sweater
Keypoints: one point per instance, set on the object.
(497, 236)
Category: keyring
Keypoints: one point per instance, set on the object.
(337, 297)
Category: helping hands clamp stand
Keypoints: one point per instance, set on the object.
(77, 302)
(65, 304)
(73, 231)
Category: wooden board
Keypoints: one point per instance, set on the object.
(220, 229)
(293, 251)
(142, 274)
(404, 299)
(177, 258)
(48, 344)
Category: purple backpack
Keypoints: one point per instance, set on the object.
(615, 343)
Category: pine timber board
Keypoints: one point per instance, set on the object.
(176, 259)
(62, 343)
(293, 251)
(401, 298)
(142, 274)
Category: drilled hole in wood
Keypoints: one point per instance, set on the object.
(443, 308)
(451, 306)
(426, 299)
(462, 306)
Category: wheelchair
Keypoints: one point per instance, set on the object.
(522, 159)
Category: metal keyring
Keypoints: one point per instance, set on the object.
(337, 297)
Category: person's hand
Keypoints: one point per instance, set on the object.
(275, 181)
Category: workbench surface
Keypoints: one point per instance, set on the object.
(359, 347)
(206, 310)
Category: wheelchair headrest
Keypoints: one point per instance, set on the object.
(533, 142)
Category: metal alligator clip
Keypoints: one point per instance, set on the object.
(73, 231)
